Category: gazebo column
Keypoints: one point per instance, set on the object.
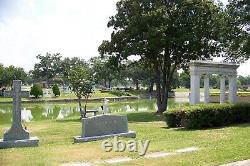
(222, 89)
(195, 88)
(206, 89)
(232, 89)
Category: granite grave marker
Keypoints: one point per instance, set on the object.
(16, 136)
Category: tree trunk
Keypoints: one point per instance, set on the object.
(80, 106)
(105, 83)
(137, 85)
(159, 90)
(85, 107)
(151, 87)
(110, 83)
(164, 74)
(162, 99)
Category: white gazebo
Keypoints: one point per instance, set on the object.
(207, 68)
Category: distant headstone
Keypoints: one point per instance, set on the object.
(104, 126)
(66, 89)
(16, 136)
(46, 92)
(105, 103)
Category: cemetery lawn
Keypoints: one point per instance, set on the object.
(96, 94)
(201, 90)
(216, 146)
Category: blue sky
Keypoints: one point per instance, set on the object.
(71, 27)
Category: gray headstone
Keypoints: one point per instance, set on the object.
(16, 136)
(16, 132)
(103, 126)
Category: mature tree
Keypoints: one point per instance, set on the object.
(99, 70)
(48, 66)
(1, 75)
(68, 64)
(82, 82)
(184, 79)
(8, 74)
(237, 20)
(244, 82)
(105, 70)
(136, 72)
(165, 34)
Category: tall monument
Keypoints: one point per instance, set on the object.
(16, 136)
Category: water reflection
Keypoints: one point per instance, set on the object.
(65, 113)
(26, 115)
(37, 112)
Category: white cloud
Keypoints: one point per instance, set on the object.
(73, 28)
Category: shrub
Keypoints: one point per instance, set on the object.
(206, 116)
(56, 90)
(36, 91)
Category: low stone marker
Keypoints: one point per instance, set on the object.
(104, 126)
(16, 136)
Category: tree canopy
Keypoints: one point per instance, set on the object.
(48, 66)
(166, 35)
(236, 31)
(82, 84)
(8, 74)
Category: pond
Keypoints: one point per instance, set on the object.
(45, 111)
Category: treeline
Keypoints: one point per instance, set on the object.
(107, 71)
(7, 74)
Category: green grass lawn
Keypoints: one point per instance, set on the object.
(96, 94)
(2, 99)
(201, 90)
(217, 146)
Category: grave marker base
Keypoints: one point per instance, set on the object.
(31, 142)
(79, 139)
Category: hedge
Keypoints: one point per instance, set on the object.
(207, 116)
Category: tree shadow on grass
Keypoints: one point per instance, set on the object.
(239, 125)
(132, 117)
(144, 117)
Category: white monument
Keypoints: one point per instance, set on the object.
(105, 103)
(206, 68)
(16, 136)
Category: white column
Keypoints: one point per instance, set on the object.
(195, 89)
(206, 89)
(232, 89)
(222, 89)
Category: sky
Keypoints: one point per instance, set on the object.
(74, 28)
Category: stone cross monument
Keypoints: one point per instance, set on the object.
(16, 136)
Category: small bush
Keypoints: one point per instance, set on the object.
(206, 116)
(36, 91)
(56, 90)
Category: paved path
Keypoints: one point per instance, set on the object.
(239, 163)
(127, 159)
